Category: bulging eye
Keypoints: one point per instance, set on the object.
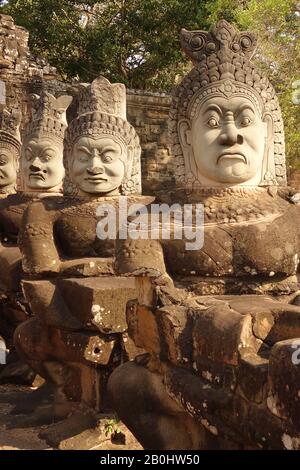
(212, 122)
(3, 160)
(46, 158)
(246, 121)
(107, 158)
(28, 156)
(83, 158)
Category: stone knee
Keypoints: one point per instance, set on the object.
(142, 403)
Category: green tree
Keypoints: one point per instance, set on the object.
(133, 41)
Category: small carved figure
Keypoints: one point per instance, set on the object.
(76, 337)
(41, 175)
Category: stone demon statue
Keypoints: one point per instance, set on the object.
(221, 368)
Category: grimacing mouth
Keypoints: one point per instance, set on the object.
(39, 176)
(230, 154)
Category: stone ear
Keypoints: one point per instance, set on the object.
(268, 120)
(268, 166)
(129, 162)
(184, 132)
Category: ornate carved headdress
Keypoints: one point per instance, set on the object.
(10, 130)
(48, 117)
(102, 110)
(10, 140)
(222, 67)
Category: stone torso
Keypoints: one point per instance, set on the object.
(248, 236)
(11, 212)
(73, 223)
(75, 230)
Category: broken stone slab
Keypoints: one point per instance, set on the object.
(100, 301)
(284, 381)
(87, 267)
(225, 414)
(84, 346)
(198, 398)
(142, 327)
(58, 434)
(273, 320)
(223, 335)
(96, 302)
(47, 303)
(286, 325)
(175, 326)
(130, 349)
(218, 374)
(270, 432)
(253, 377)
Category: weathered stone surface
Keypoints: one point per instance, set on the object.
(140, 258)
(11, 268)
(175, 328)
(220, 375)
(82, 347)
(131, 350)
(253, 377)
(284, 381)
(142, 327)
(286, 325)
(221, 334)
(100, 302)
(87, 267)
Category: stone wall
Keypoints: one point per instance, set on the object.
(149, 115)
(20, 72)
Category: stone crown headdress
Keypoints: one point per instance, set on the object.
(222, 67)
(102, 110)
(10, 129)
(48, 116)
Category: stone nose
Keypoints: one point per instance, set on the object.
(35, 167)
(95, 170)
(230, 135)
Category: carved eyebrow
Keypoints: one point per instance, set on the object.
(109, 149)
(85, 150)
(213, 107)
(243, 107)
(47, 149)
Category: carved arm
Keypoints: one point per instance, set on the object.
(36, 241)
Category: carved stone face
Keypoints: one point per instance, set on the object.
(8, 167)
(97, 164)
(42, 164)
(227, 138)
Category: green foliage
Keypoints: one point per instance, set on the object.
(111, 427)
(132, 41)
